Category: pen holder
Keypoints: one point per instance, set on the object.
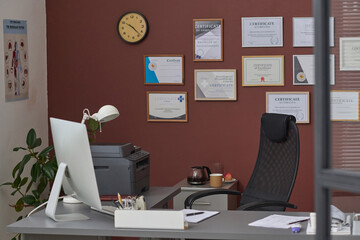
(356, 225)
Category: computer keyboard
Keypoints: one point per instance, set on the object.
(107, 209)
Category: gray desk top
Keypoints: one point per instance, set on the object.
(226, 225)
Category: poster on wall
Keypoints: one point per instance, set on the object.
(16, 60)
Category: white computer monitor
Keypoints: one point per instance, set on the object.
(75, 168)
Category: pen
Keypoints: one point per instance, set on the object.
(299, 221)
(117, 204)
(193, 214)
(120, 200)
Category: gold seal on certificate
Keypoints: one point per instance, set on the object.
(263, 70)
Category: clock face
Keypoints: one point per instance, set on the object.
(132, 27)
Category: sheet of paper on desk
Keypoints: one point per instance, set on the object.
(277, 221)
(199, 217)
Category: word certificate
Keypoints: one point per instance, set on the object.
(344, 105)
(262, 32)
(292, 103)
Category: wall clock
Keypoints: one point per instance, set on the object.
(132, 27)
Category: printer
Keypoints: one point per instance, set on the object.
(121, 168)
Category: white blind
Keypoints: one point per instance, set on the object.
(345, 138)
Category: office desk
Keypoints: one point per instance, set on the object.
(226, 225)
(39, 226)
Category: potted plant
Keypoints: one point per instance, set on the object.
(30, 189)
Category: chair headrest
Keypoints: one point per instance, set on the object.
(276, 125)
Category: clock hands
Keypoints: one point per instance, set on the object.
(132, 28)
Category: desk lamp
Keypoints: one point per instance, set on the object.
(105, 114)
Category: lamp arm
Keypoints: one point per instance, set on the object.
(86, 115)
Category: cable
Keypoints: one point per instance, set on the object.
(41, 205)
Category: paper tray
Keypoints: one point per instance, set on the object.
(151, 219)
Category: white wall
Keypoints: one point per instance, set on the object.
(16, 118)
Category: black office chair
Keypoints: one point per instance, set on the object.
(273, 178)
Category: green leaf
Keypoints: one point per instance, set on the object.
(13, 193)
(18, 148)
(29, 199)
(19, 205)
(36, 143)
(24, 181)
(25, 160)
(29, 186)
(48, 171)
(35, 172)
(36, 203)
(31, 137)
(42, 185)
(16, 182)
(46, 151)
(7, 183)
(36, 194)
(15, 169)
(93, 124)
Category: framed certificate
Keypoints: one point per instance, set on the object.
(263, 70)
(292, 103)
(164, 69)
(215, 84)
(350, 54)
(262, 31)
(344, 106)
(167, 107)
(304, 32)
(304, 69)
(208, 39)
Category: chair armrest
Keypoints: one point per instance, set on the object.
(191, 199)
(259, 204)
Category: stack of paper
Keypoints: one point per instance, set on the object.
(199, 216)
(278, 221)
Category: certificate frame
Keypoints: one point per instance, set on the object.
(304, 69)
(203, 52)
(263, 70)
(293, 103)
(338, 113)
(262, 31)
(215, 84)
(304, 32)
(171, 65)
(346, 44)
(167, 106)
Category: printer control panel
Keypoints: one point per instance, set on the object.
(137, 155)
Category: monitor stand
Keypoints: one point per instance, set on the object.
(54, 196)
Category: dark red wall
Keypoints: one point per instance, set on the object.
(90, 66)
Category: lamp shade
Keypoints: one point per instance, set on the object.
(106, 113)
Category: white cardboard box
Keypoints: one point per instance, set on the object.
(158, 219)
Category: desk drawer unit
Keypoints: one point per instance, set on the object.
(214, 202)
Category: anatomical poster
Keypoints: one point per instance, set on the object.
(16, 60)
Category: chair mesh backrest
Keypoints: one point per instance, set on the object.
(276, 167)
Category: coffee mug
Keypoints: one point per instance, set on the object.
(216, 180)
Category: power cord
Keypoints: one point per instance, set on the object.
(40, 206)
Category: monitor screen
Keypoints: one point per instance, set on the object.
(76, 170)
